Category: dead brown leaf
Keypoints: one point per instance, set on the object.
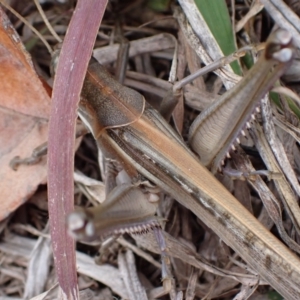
(24, 112)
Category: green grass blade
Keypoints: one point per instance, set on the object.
(218, 20)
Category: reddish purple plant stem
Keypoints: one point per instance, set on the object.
(74, 58)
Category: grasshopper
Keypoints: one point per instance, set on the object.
(129, 130)
(207, 136)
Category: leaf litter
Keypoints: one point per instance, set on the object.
(203, 266)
